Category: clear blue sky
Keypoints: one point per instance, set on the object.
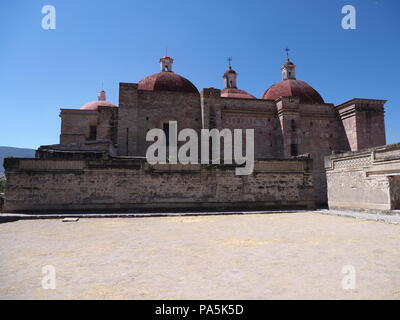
(114, 41)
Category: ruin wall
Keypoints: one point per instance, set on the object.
(126, 184)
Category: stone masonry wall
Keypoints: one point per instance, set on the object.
(363, 123)
(142, 110)
(368, 179)
(75, 125)
(45, 185)
(394, 185)
(259, 115)
(157, 108)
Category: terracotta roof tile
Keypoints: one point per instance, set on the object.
(94, 105)
(167, 81)
(235, 93)
(295, 88)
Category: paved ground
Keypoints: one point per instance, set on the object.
(265, 256)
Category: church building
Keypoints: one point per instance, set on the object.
(290, 119)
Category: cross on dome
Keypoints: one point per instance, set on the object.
(229, 62)
(287, 53)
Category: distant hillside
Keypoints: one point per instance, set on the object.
(14, 152)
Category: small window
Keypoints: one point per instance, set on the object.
(294, 150)
(293, 125)
(92, 133)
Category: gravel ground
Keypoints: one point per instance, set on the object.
(265, 256)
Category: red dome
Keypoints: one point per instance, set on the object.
(167, 81)
(236, 93)
(293, 88)
(94, 105)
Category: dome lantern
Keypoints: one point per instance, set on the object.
(101, 96)
(166, 64)
(230, 85)
(288, 70)
(230, 77)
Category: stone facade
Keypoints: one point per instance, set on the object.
(291, 119)
(283, 128)
(142, 110)
(363, 124)
(368, 179)
(76, 125)
(121, 184)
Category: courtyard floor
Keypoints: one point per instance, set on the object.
(265, 256)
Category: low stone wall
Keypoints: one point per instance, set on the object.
(126, 184)
(365, 180)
